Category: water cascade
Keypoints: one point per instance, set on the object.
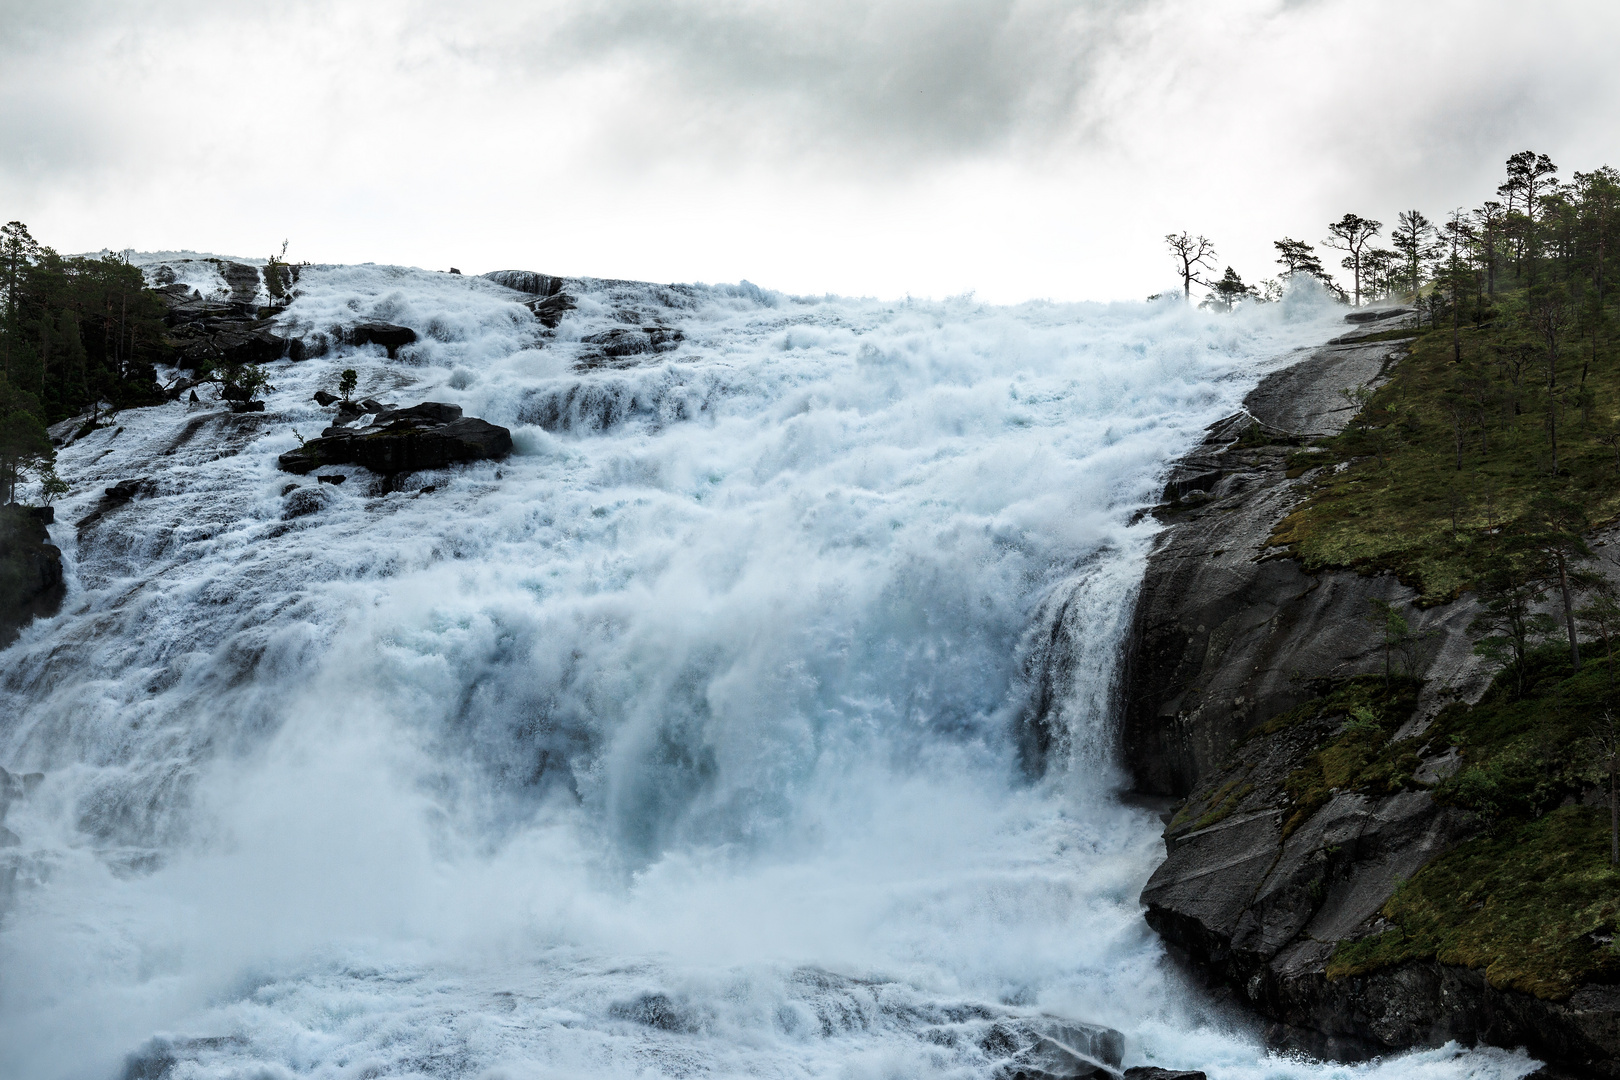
(752, 718)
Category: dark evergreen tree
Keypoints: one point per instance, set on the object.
(1351, 234)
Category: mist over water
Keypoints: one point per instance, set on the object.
(696, 738)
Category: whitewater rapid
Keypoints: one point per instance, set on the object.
(693, 739)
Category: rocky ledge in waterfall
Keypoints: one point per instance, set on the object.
(431, 435)
(209, 330)
(31, 581)
(1311, 763)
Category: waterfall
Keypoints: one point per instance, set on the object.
(752, 718)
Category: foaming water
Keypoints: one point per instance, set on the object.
(697, 737)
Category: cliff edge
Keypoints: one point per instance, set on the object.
(1265, 697)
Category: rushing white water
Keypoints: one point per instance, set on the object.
(692, 739)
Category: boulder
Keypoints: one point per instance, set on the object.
(551, 309)
(323, 398)
(14, 787)
(1149, 1072)
(431, 435)
(124, 490)
(114, 497)
(1049, 1048)
(618, 347)
(31, 581)
(387, 335)
(303, 501)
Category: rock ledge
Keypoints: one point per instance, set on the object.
(431, 435)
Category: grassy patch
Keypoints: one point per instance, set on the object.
(1533, 901)
(1401, 503)
(1220, 805)
(1361, 755)
(1533, 906)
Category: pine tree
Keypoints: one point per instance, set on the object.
(1413, 239)
(1351, 234)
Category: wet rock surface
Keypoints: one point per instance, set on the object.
(207, 330)
(611, 347)
(31, 582)
(1230, 634)
(1229, 631)
(389, 336)
(548, 301)
(1047, 1048)
(431, 435)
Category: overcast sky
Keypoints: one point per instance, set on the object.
(1019, 149)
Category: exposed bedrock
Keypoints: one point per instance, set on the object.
(389, 336)
(1257, 888)
(431, 435)
(208, 331)
(1228, 631)
(547, 299)
(31, 581)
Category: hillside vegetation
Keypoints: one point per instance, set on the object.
(1483, 464)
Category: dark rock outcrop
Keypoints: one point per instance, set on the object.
(207, 331)
(31, 582)
(125, 490)
(621, 343)
(303, 501)
(387, 335)
(114, 497)
(427, 436)
(1228, 631)
(1228, 635)
(1262, 909)
(527, 281)
(1048, 1048)
(548, 301)
(1371, 315)
(551, 309)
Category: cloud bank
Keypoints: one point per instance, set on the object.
(1017, 147)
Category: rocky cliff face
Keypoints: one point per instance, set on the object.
(30, 569)
(1233, 641)
(1229, 631)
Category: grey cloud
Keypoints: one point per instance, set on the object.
(892, 79)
